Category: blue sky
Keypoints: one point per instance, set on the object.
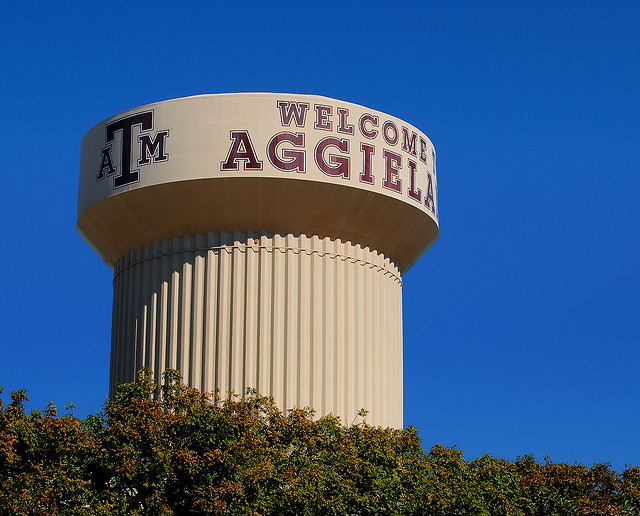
(521, 325)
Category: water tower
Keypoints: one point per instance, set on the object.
(259, 240)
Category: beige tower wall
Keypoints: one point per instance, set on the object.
(312, 322)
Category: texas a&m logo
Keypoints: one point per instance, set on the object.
(150, 146)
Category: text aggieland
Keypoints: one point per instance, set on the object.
(286, 150)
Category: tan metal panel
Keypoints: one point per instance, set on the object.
(305, 342)
(329, 327)
(223, 365)
(129, 340)
(174, 299)
(278, 319)
(341, 331)
(237, 303)
(317, 321)
(197, 318)
(291, 323)
(250, 335)
(211, 312)
(162, 344)
(265, 304)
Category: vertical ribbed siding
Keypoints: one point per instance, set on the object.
(310, 321)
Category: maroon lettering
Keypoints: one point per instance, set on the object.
(322, 117)
(343, 125)
(414, 193)
(391, 140)
(241, 149)
(367, 151)
(433, 161)
(409, 144)
(291, 159)
(337, 165)
(428, 198)
(107, 164)
(423, 150)
(297, 110)
(125, 126)
(153, 148)
(371, 119)
(430, 186)
(393, 163)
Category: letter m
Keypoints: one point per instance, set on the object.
(155, 148)
(408, 145)
(296, 109)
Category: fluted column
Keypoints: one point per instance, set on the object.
(310, 321)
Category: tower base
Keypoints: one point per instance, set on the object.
(310, 321)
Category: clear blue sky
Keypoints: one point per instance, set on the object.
(521, 325)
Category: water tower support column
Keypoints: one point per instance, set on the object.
(312, 322)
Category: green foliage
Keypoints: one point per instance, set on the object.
(171, 449)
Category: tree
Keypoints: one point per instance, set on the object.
(171, 449)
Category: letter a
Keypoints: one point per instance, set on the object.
(241, 149)
(106, 164)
